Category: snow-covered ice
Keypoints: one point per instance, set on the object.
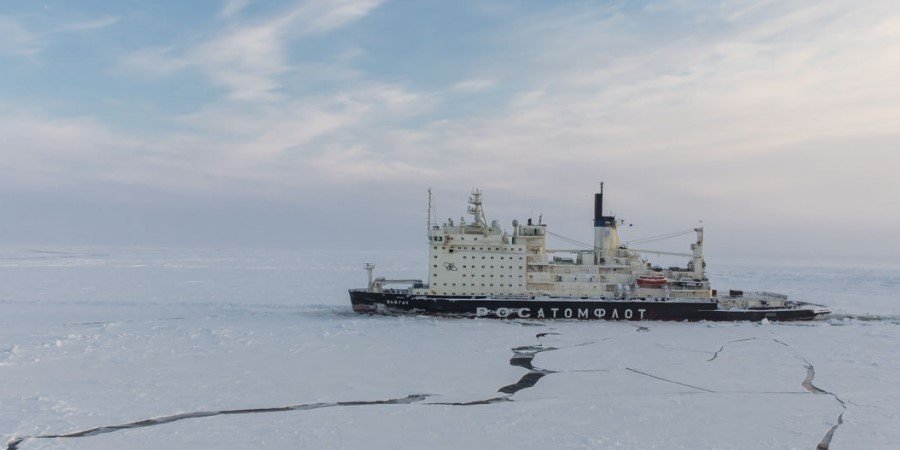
(254, 349)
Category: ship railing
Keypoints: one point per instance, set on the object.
(767, 294)
(759, 295)
(379, 283)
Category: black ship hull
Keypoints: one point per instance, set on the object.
(401, 302)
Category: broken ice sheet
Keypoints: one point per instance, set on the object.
(113, 342)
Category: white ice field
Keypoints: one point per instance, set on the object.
(156, 348)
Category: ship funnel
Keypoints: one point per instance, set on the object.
(598, 207)
(606, 237)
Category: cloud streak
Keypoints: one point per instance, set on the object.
(247, 59)
(90, 25)
(15, 40)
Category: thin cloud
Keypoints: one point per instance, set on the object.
(474, 85)
(232, 7)
(90, 25)
(248, 58)
(15, 40)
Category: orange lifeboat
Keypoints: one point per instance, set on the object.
(651, 281)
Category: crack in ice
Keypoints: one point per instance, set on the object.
(16, 441)
(826, 440)
(522, 357)
(808, 385)
(669, 381)
(716, 353)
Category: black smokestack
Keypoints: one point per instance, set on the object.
(598, 205)
(599, 219)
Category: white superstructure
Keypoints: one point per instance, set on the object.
(475, 258)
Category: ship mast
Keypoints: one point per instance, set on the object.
(697, 263)
(431, 214)
(475, 208)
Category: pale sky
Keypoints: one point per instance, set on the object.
(322, 123)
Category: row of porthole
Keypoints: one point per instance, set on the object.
(491, 249)
(483, 267)
(476, 293)
(482, 284)
(491, 275)
(482, 275)
(502, 257)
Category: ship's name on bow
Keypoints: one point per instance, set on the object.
(563, 313)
